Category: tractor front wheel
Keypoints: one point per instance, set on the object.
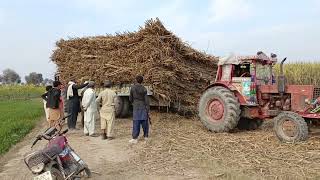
(290, 127)
(219, 109)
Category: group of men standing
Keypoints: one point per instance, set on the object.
(78, 98)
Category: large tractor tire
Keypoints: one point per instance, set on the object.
(219, 109)
(290, 127)
(125, 107)
(118, 106)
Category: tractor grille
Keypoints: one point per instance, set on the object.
(316, 92)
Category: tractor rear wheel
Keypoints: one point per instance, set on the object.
(219, 109)
(290, 127)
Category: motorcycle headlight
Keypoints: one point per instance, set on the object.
(38, 168)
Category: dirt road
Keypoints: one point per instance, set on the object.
(181, 148)
(107, 159)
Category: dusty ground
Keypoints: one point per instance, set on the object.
(181, 148)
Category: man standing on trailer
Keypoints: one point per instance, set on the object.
(107, 112)
(140, 102)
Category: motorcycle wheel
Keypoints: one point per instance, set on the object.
(88, 172)
(57, 175)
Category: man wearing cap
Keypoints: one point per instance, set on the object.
(106, 99)
(90, 109)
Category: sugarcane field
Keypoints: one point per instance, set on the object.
(217, 89)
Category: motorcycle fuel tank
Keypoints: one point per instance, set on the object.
(61, 141)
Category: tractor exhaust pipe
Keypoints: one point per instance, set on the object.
(282, 79)
(281, 66)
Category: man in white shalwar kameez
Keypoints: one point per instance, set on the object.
(90, 110)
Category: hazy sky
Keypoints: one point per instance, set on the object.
(30, 28)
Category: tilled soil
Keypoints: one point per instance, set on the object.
(181, 148)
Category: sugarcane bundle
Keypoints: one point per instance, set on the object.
(173, 69)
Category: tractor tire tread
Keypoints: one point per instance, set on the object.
(300, 122)
(231, 104)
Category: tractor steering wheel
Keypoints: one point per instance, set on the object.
(245, 73)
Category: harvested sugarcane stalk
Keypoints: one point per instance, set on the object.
(168, 64)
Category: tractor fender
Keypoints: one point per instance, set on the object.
(232, 88)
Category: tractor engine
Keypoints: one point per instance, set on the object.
(276, 103)
(272, 104)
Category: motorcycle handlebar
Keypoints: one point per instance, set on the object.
(61, 121)
(65, 131)
(35, 141)
(66, 116)
(39, 137)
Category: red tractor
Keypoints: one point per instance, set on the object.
(246, 92)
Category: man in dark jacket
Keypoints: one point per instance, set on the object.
(74, 103)
(140, 102)
(54, 103)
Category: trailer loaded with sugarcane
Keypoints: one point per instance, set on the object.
(174, 73)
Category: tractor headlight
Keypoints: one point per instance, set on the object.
(37, 168)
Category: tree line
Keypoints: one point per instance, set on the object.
(9, 76)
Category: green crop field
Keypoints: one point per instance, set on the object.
(20, 92)
(20, 110)
(301, 73)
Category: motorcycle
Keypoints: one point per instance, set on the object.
(57, 160)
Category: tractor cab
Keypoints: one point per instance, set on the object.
(244, 73)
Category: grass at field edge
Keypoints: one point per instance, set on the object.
(17, 119)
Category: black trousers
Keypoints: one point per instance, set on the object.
(136, 128)
(74, 109)
(72, 120)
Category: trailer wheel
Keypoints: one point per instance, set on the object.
(290, 127)
(118, 106)
(125, 107)
(219, 109)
